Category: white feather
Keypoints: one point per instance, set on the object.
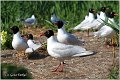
(98, 23)
(32, 45)
(29, 50)
(62, 51)
(84, 24)
(67, 38)
(105, 31)
(18, 43)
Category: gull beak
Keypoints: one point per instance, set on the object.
(94, 10)
(11, 28)
(42, 34)
(116, 14)
(55, 23)
(107, 8)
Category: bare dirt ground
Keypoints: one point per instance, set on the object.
(95, 66)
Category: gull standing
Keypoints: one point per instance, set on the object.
(62, 51)
(98, 23)
(88, 19)
(18, 43)
(29, 21)
(65, 37)
(107, 31)
(62, 35)
(84, 25)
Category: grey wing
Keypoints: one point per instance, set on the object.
(30, 20)
(108, 30)
(68, 50)
(93, 24)
(23, 44)
(84, 21)
(98, 33)
(103, 28)
(78, 27)
(54, 18)
(74, 41)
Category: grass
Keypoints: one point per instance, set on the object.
(114, 73)
(72, 11)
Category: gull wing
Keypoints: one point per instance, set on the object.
(68, 50)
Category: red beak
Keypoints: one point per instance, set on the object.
(94, 10)
(116, 14)
(42, 34)
(55, 23)
(107, 8)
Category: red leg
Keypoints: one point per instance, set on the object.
(60, 69)
(54, 70)
(106, 43)
(88, 33)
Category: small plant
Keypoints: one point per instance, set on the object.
(12, 71)
(50, 25)
(114, 73)
(6, 40)
(44, 45)
(113, 25)
(3, 37)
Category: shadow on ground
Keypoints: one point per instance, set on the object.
(37, 55)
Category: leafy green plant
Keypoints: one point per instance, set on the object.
(6, 40)
(114, 73)
(3, 37)
(49, 25)
(72, 11)
(113, 25)
(12, 71)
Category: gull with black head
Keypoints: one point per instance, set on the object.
(63, 36)
(19, 44)
(62, 51)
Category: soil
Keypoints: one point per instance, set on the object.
(40, 64)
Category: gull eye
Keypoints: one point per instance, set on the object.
(48, 32)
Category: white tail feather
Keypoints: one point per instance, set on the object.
(29, 50)
(86, 53)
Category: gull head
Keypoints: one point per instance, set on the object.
(15, 29)
(30, 36)
(54, 19)
(48, 33)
